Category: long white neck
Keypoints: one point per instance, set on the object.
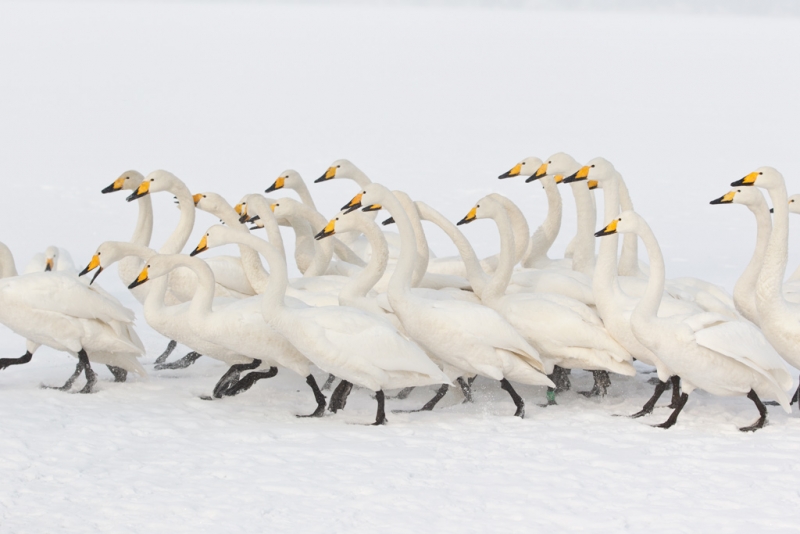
(423, 252)
(129, 267)
(519, 225)
(323, 249)
(305, 195)
(359, 286)
(7, 266)
(400, 283)
(496, 287)
(260, 206)
(604, 282)
(360, 178)
(251, 263)
(629, 257)
(204, 293)
(544, 236)
(744, 292)
(583, 255)
(769, 286)
(475, 274)
(648, 305)
(272, 299)
(177, 240)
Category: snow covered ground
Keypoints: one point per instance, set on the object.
(436, 101)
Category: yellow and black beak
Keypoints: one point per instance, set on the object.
(94, 264)
(388, 221)
(471, 216)
(353, 205)
(203, 245)
(197, 198)
(582, 174)
(141, 279)
(372, 207)
(142, 190)
(241, 210)
(277, 185)
(48, 265)
(330, 173)
(592, 184)
(750, 179)
(540, 172)
(116, 185)
(608, 230)
(328, 231)
(512, 173)
(727, 198)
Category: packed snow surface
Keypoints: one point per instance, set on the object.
(436, 102)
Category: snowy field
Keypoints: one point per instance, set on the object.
(436, 101)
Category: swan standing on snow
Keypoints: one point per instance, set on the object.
(60, 311)
(564, 331)
(468, 338)
(778, 318)
(347, 342)
(707, 350)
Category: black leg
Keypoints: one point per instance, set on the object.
(466, 387)
(164, 355)
(440, 393)
(404, 393)
(762, 412)
(673, 417)
(318, 396)
(471, 379)
(380, 418)
(506, 385)
(231, 377)
(650, 404)
(6, 362)
(70, 380)
(183, 363)
(91, 376)
(795, 397)
(328, 383)
(560, 378)
(601, 384)
(675, 381)
(248, 380)
(339, 397)
(120, 374)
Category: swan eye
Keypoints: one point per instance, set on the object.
(523, 163)
(152, 179)
(127, 177)
(338, 166)
(760, 173)
(592, 166)
(549, 162)
(337, 218)
(478, 206)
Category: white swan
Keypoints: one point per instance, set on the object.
(57, 310)
(467, 338)
(778, 318)
(239, 327)
(347, 342)
(565, 331)
(744, 292)
(52, 259)
(291, 179)
(707, 350)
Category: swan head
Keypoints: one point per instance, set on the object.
(212, 203)
(628, 222)
(486, 208)
(794, 204)
(369, 199)
(128, 180)
(526, 167)
(341, 168)
(289, 179)
(766, 177)
(155, 182)
(51, 258)
(285, 208)
(111, 252)
(344, 222)
(559, 164)
(216, 236)
(253, 208)
(595, 173)
(749, 196)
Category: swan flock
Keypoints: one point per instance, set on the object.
(377, 309)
